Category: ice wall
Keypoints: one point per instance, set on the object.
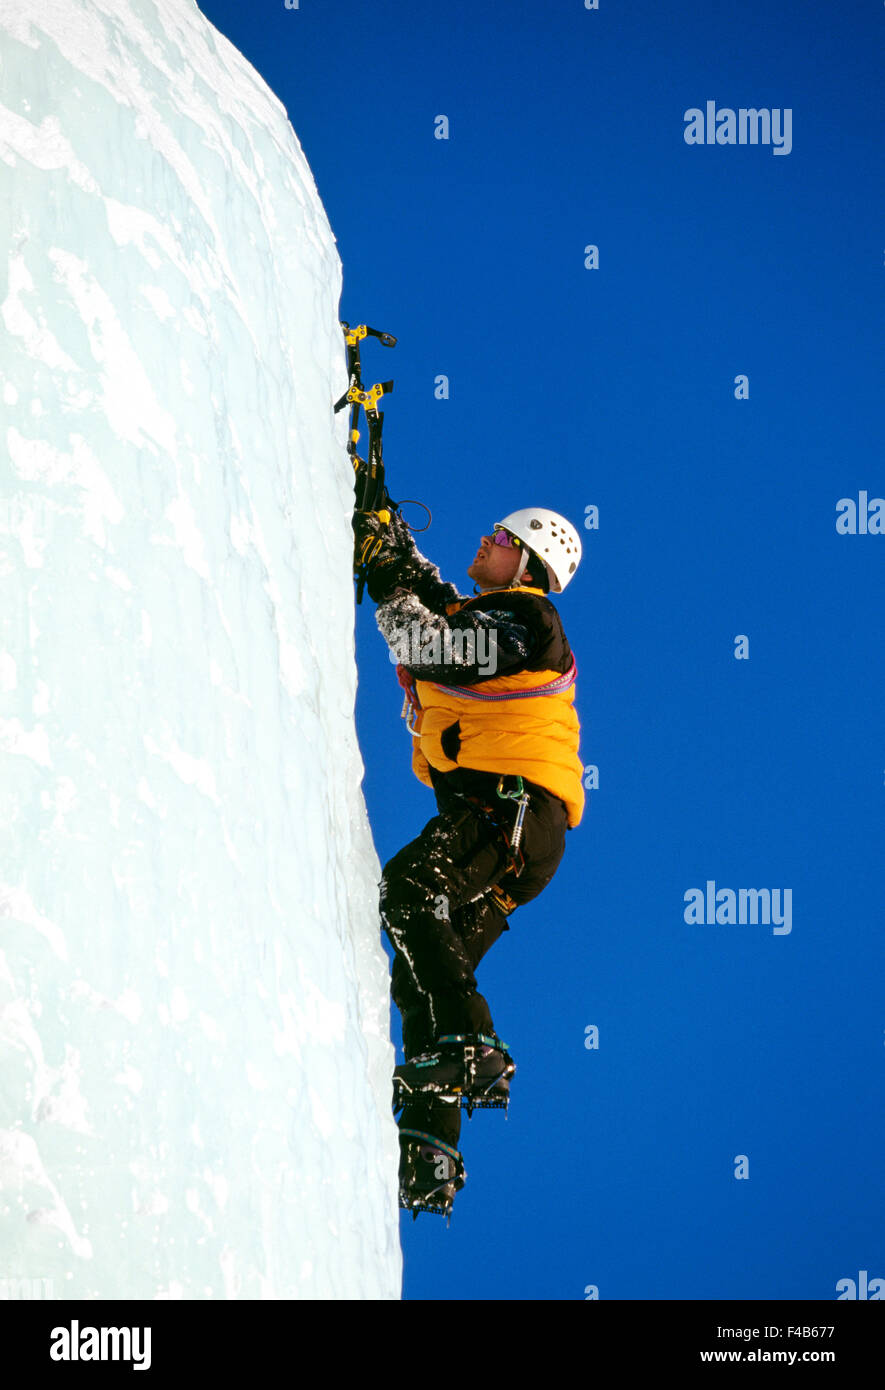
(194, 1056)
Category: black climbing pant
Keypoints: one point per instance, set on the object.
(441, 918)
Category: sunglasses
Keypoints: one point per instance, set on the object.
(502, 537)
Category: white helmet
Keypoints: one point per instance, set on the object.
(553, 539)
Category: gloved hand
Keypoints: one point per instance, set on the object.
(371, 532)
(382, 544)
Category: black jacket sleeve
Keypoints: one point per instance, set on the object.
(471, 645)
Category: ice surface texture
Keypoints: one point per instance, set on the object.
(194, 1023)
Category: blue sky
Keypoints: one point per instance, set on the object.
(615, 387)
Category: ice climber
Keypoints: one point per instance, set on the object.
(490, 689)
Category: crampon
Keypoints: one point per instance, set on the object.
(430, 1173)
(473, 1070)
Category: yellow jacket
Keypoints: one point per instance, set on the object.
(535, 737)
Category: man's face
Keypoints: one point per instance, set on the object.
(495, 565)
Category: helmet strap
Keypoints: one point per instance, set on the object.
(522, 566)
